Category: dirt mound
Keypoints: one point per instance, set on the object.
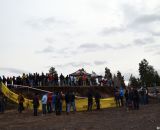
(104, 91)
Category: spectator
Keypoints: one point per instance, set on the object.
(20, 103)
(2, 103)
(146, 94)
(67, 80)
(44, 103)
(0, 79)
(49, 102)
(84, 79)
(117, 97)
(4, 79)
(53, 101)
(121, 94)
(130, 98)
(73, 102)
(142, 96)
(97, 100)
(61, 80)
(90, 100)
(127, 99)
(58, 104)
(135, 99)
(35, 104)
(61, 98)
(68, 102)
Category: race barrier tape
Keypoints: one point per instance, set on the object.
(81, 104)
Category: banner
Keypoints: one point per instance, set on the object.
(81, 104)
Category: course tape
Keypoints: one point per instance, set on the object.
(81, 104)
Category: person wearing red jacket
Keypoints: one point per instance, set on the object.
(49, 102)
(84, 78)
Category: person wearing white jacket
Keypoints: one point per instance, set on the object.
(44, 104)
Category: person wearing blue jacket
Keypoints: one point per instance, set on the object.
(121, 94)
(53, 101)
(44, 104)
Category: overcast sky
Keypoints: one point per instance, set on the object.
(74, 34)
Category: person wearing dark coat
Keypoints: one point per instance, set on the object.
(58, 104)
(2, 103)
(35, 104)
(68, 101)
(97, 100)
(135, 99)
(90, 100)
(20, 103)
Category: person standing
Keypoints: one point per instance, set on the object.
(49, 102)
(61, 80)
(90, 100)
(44, 103)
(58, 104)
(97, 100)
(73, 102)
(127, 99)
(53, 102)
(20, 103)
(117, 97)
(84, 78)
(135, 99)
(121, 94)
(35, 104)
(2, 103)
(68, 102)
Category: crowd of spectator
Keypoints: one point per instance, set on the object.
(36, 79)
(53, 102)
(133, 97)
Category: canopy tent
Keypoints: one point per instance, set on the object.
(80, 72)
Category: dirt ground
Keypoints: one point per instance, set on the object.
(147, 118)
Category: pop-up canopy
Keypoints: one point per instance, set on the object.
(80, 72)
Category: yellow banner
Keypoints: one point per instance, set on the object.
(81, 104)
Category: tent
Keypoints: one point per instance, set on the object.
(80, 72)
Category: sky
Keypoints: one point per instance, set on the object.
(74, 34)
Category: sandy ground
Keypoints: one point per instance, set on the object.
(147, 118)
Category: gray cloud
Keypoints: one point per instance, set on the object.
(129, 12)
(60, 56)
(46, 23)
(89, 47)
(135, 16)
(107, 31)
(49, 40)
(118, 46)
(14, 70)
(140, 22)
(100, 62)
(154, 33)
(157, 53)
(153, 49)
(144, 41)
(145, 23)
(80, 64)
(56, 52)
(146, 19)
(135, 19)
(74, 64)
(48, 49)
